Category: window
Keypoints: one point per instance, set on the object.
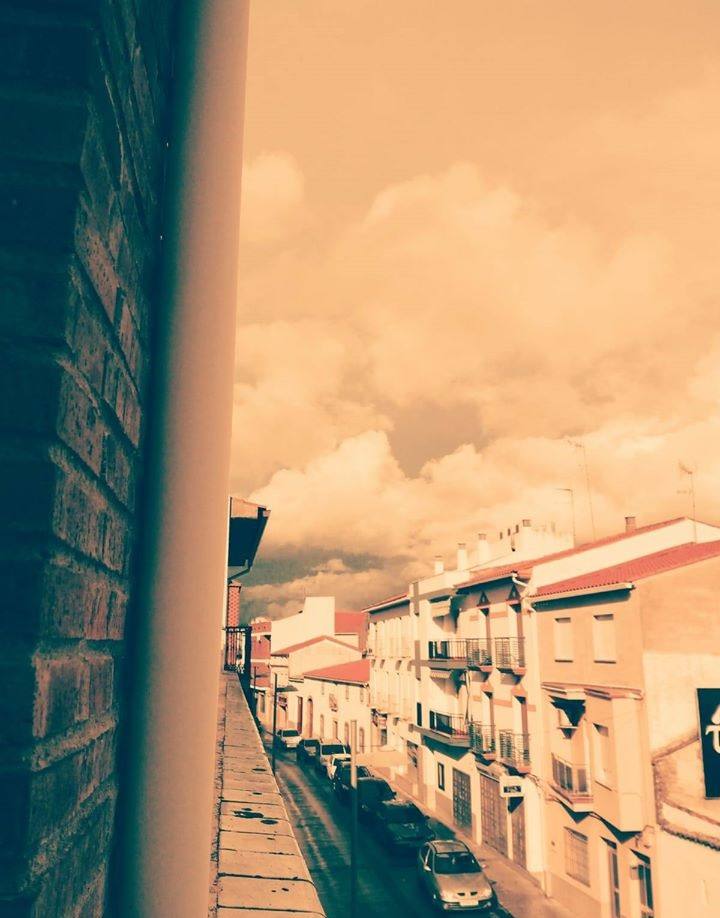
(362, 694)
(322, 726)
(645, 887)
(361, 740)
(577, 863)
(562, 637)
(441, 776)
(336, 730)
(322, 688)
(347, 734)
(604, 638)
(601, 756)
(347, 693)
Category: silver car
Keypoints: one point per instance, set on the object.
(454, 878)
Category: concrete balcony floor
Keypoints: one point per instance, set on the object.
(256, 864)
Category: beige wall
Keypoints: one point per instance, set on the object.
(680, 614)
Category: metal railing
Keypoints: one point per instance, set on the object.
(447, 650)
(482, 739)
(479, 653)
(570, 778)
(514, 748)
(454, 725)
(510, 653)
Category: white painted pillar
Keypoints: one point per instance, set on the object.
(167, 789)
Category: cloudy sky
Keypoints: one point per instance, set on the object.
(472, 233)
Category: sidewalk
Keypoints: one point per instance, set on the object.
(519, 894)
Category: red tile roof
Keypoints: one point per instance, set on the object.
(323, 637)
(638, 568)
(356, 672)
(397, 600)
(350, 622)
(525, 568)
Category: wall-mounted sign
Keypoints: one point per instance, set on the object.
(511, 786)
(709, 714)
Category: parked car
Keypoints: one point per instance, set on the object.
(341, 778)
(454, 879)
(401, 825)
(335, 760)
(289, 738)
(328, 748)
(307, 750)
(371, 793)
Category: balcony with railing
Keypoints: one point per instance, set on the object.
(451, 729)
(479, 655)
(447, 654)
(514, 749)
(482, 740)
(510, 655)
(572, 783)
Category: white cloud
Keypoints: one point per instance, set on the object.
(273, 198)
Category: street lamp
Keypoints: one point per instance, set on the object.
(284, 689)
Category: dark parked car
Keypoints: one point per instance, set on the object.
(401, 825)
(371, 793)
(341, 779)
(455, 880)
(307, 750)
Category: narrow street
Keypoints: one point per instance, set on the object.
(386, 885)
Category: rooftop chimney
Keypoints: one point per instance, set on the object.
(630, 524)
(462, 557)
(439, 564)
(483, 548)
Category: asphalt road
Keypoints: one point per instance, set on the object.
(387, 885)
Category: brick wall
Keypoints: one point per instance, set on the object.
(83, 98)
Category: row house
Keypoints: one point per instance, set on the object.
(622, 651)
(485, 756)
(316, 636)
(331, 698)
(393, 691)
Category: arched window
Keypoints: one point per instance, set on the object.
(361, 740)
(322, 726)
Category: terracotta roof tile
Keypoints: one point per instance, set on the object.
(357, 672)
(636, 569)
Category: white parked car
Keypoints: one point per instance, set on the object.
(336, 760)
(289, 738)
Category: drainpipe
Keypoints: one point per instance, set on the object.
(167, 788)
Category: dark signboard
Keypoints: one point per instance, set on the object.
(709, 712)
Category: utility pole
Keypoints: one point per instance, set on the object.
(274, 722)
(354, 820)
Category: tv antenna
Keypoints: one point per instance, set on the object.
(686, 470)
(571, 492)
(576, 444)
